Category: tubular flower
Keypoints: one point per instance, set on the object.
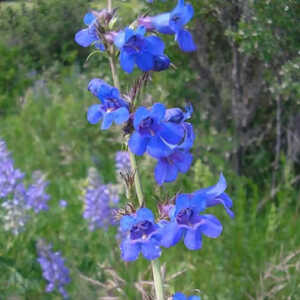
(173, 22)
(112, 108)
(136, 48)
(153, 133)
(188, 223)
(141, 236)
(88, 36)
(179, 160)
(54, 270)
(180, 296)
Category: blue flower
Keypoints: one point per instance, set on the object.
(54, 270)
(141, 236)
(137, 49)
(173, 23)
(153, 133)
(188, 223)
(180, 296)
(112, 108)
(88, 36)
(167, 168)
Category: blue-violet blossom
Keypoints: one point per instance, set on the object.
(188, 223)
(153, 133)
(88, 36)
(141, 236)
(173, 22)
(112, 108)
(136, 48)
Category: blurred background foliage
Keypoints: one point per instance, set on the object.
(243, 82)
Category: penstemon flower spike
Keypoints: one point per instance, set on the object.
(162, 133)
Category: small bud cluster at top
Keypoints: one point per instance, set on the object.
(17, 199)
(163, 133)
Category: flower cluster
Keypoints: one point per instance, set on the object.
(54, 269)
(99, 200)
(17, 200)
(122, 162)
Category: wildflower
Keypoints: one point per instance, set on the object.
(63, 203)
(154, 134)
(137, 49)
(37, 197)
(141, 236)
(122, 161)
(167, 168)
(188, 223)
(89, 35)
(160, 63)
(15, 214)
(112, 108)
(54, 270)
(173, 22)
(180, 296)
(99, 202)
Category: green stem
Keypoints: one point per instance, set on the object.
(158, 282)
(137, 182)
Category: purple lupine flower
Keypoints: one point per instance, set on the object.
(112, 108)
(88, 36)
(54, 269)
(37, 198)
(180, 296)
(141, 236)
(136, 48)
(173, 22)
(153, 133)
(188, 223)
(15, 214)
(122, 161)
(99, 204)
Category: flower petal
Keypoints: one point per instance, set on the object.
(84, 37)
(89, 18)
(154, 45)
(185, 41)
(140, 114)
(179, 296)
(223, 199)
(144, 214)
(183, 161)
(127, 61)
(107, 120)
(172, 133)
(188, 13)
(129, 251)
(151, 249)
(160, 171)
(145, 61)
(210, 226)
(121, 115)
(138, 143)
(161, 23)
(158, 111)
(126, 223)
(94, 114)
(157, 148)
(172, 172)
(182, 201)
(170, 234)
(193, 239)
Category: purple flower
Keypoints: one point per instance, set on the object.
(63, 203)
(188, 223)
(99, 203)
(141, 236)
(180, 296)
(37, 198)
(54, 270)
(112, 108)
(137, 49)
(122, 161)
(173, 22)
(167, 168)
(88, 36)
(153, 133)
